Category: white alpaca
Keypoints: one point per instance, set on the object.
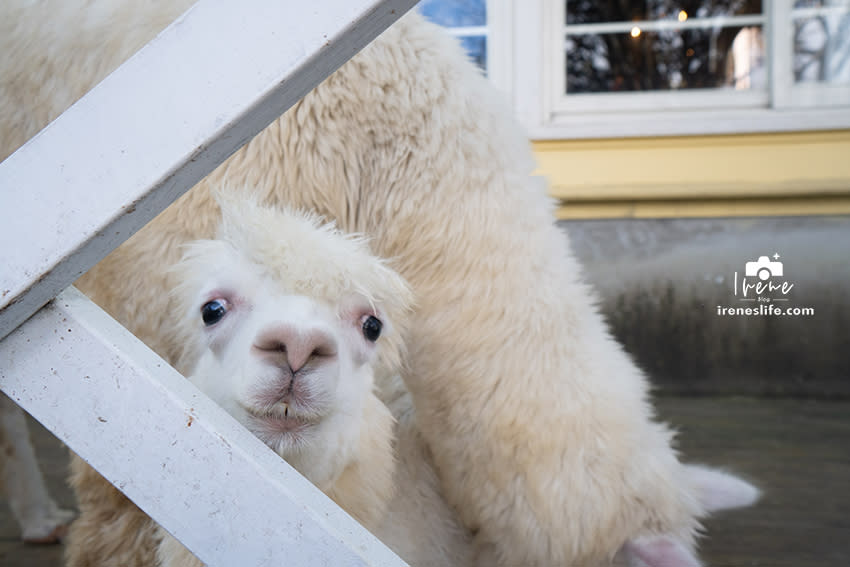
(538, 424)
(40, 519)
(287, 319)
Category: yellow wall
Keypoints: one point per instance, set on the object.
(734, 175)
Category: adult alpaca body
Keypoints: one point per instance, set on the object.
(561, 462)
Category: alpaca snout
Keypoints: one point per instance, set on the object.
(289, 346)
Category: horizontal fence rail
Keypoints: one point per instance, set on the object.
(91, 179)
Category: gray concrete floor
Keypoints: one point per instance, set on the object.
(796, 451)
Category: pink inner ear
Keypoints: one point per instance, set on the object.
(658, 551)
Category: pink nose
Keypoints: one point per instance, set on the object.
(288, 344)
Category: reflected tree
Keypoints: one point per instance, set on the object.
(663, 60)
(822, 45)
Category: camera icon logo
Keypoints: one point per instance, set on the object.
(763, 268)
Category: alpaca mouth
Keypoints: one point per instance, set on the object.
(281, 420)
(300, 402)
(288, 424)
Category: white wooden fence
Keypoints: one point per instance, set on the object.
(67, 198)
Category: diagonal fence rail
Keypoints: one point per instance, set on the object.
(87, 182)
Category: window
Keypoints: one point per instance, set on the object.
(821, 40)
(658, 46)
(465, 19)
(813, 56)
(482, 26)
(691, 67)
(582, 68)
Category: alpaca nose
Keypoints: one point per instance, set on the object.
(293, 346)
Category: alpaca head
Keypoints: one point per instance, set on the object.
(290, 320)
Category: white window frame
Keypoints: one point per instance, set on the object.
(535, 31)
(500, 54)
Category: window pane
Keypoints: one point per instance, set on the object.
(455, 13)
(476, 46)
(731, 57)
(593, 11)
(658, 45)
(468, 21)
(821, 42)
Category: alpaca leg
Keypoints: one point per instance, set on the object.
(40, 519)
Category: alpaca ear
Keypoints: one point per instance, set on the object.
(658, 551)
(718, 490)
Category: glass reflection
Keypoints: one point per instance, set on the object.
(821, 40)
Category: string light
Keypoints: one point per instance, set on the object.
(683, 15)
(635, 32)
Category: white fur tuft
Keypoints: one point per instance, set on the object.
(658, 551)
(718, 490)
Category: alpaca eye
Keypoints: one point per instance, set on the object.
(372, 328)
(213, 311)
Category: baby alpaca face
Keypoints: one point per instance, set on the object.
(292, 369)
(287, 320)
